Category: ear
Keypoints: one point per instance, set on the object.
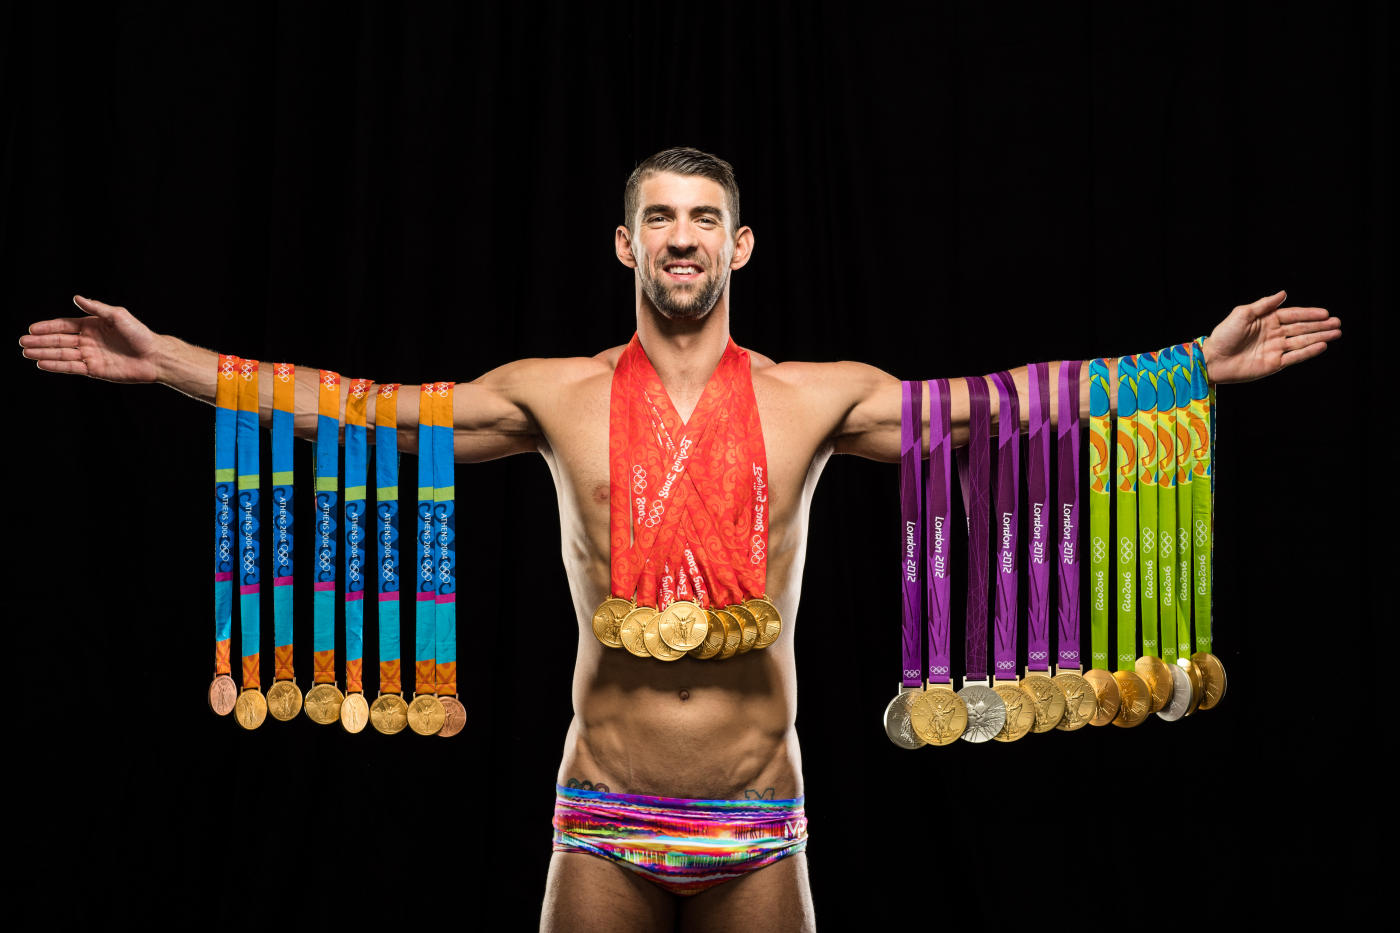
(743, 248)
(622, 244)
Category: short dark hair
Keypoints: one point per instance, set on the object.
(681, 161)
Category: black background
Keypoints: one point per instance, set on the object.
(425, 193)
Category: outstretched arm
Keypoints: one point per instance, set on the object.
(491, 414)
(1254, 341)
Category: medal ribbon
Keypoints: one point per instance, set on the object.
(1181, 369)
(1145, 425)
(1007, 524)
(1125, 500)
(940, 511)
(356, 553)
(425, 617)
(250, 550)
(225, 479)
(327, 495)
(1202, 516)
(445, 523)
(974, 469)
(1099, 463)
(911, 428)
(1068, 475)
(283, 402)
(1038, 500)
(386, 496)
(1166, 505)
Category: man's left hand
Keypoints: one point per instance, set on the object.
(1259, 339)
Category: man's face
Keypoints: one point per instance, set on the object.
(680, 244)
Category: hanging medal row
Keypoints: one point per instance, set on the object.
(239, 556)
(1154, 461)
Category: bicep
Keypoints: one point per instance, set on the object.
(870, 426)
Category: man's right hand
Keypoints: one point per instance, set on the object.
(109, 343)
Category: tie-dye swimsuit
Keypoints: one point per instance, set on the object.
(683, 845)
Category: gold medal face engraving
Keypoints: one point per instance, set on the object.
(607, 620)
(354, 713)
(1020, 711)
(1213, 679)
(714, 638)
(683, 626)
(938, 715)
(425, 714)
(223, 694)
(1049, 701)
(770, 622)
(986, 713)
(748, 627)
(1157, 674)
(656, 648)
(897, 725)
(1081, 702)
(454, 716)
(323, 704)
(630, 632)
(1135, 703)
(284, 700)
(1106, 696)
(733, 633)
(389, 714)
(250, 709)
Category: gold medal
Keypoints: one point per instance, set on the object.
(1081, 702)
(656, 648)
(938, 715)
(1198, 683)
(1135, 701)
(354, 713)
(1048, 698)
(322, 704)
(1158, 678)
(1106, 696)
(251, 708)
(733, 634)
(748, 627)
(389, 713)
(714, 638)
(1020, 711)
(454, 716)
(769, 621)
(683, 626)
(1213, 678)
(630, 632)
(425, 714)
(284, 700)
(607, 620)
(223, 694)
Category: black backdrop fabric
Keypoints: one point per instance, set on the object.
(426, 191)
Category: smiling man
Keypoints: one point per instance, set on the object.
(684, 467)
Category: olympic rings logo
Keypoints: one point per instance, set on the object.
(758, 549)
(1149, 541)
(329, 380)
(1201, 534)
(248, 563)
(1039, 655)
(658, 508)
(1006, 665)
(1125, 550)
(1166, 540)
(247, 369)
(639, 479)
(226, 368)
(358, 387)
(940, 669)
(1183, 540)
(283, 371)
(442, 389)
(1099, 549)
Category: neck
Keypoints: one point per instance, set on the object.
(684, 353)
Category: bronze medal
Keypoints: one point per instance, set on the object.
(733, 633)
(1135, 703)
(748, 627)
(1155, 673)
(656, 648)
(1081, 702)
(630, 632)
(425, 714)
(1020, 711)
(284, 700)
(454, 716)
(250, 709)
(769, 621)
(683, 626)
(607, 620)
(714, 638)
(1105, 694)
(354, 713)
(322, 704)
(389, 713)
(938, 715)
(223, 694)
(1049, 700)
(1213, 678)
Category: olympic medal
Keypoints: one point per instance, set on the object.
(656, 648)
(607, 620)
(1157, 675)
(1049, 700)
(714, 638)
(1105, 694)
(1180, 700)
(426, 715)
(683, 626)
(323, 704)
(223, 694)
(986, 713)
(1081, 702)
(938, 715)
(354, 713)
(897, 725)
(630, 631)
(284, 700)
(250, 709)
(1213, 678)
(454, 716)
(733, 633)
(1020, 711)
(1198, 684)
(749, 627)
(389, 713)
(1135, 701)
(770, 623)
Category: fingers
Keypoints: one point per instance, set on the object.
(64, 339)
(1322, 336)
(1265, 305)
(62, 325)
(72, 367)
(1311, 327)
(53, 353)
(95, 308)
(1291, 357)
(1298, 315)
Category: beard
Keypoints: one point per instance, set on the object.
(681, 302)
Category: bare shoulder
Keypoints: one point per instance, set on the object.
(549, 372)
(821, 394)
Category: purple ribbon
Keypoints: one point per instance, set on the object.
(911, 430)
(974, 471)
(1005, 525)
(940, 513)
(1068, 471)
(1038, 479)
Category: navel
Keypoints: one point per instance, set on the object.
(685, 695)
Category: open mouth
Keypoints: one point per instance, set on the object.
(682, 271)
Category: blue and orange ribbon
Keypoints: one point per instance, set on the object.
(356, 468)
(425, 631)
(249, 547)
(327, 494)
(283, 402)
(445, 523)
(386, 474)
(225, 478)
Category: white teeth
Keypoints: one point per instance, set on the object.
(683, 270)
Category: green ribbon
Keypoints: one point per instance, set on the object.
(1181, 369)
(1202, 515)
(1099, 474)
(1166, 503)
(1125, 483)
(1146, 425)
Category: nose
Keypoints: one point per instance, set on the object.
(683, 236)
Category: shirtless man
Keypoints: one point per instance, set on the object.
(697, 730)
